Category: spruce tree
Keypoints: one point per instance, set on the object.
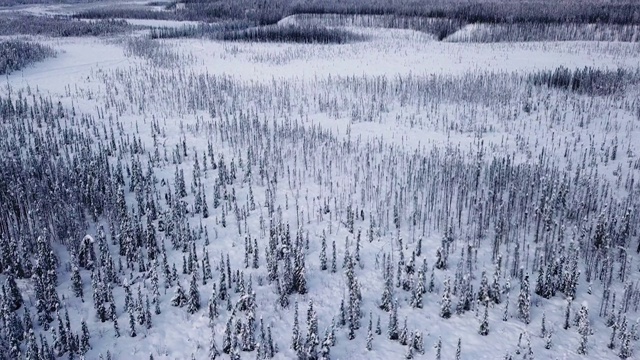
(193, 301)
(583, 329)
(370, 333)
(445, 304)
(418, 342)
(333, 257)
(403, 338)
(392, 330)
(567, 315)
(484, 326)
(323, 253)
(313, 338)
(76, 282)
(256, 260)
(132, 324)
(179, 298)
(524, 301)
(147, 313)
(116, 328)
(295, 337)
(226, 340)
(214, 353)
(84, 341)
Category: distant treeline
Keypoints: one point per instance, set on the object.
(16, 54)
(27, 2)
(486, 33)
(587, 80)
(236, 31)
(491, 12)
(59, 26)
(291, 33)
(484, 12)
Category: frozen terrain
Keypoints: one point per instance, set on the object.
(420, 160)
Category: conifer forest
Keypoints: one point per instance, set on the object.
(322, 179)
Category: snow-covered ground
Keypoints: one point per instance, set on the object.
(354, 93)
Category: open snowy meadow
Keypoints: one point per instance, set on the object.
(323, 187)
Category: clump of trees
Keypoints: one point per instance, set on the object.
(16, 54)
(588, 80)
(245, 31)
(291, 33)
(59, 26)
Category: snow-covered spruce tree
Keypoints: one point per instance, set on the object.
(483, 290)
(387, 294)
(403, 338)
(438, 347)
(392, 329)
(271, 346)
(445, 304)
(409, 351)
(342, 315)
(296, 337)
(417, 291)
(459, 349)
(179, 297)
(369, 344)
(214, 353)
(193, 301)
(325, 348)
(76, 282)
(84, 341)
(116, 327)
(323, 253)
(334, 268)
(313, 338)
(583, 329)
(300, 278)
(31, 351)
(132, 324)
(524, 301)
(418, 342)
(528, 355)
(626, 349)
(227, 337)
(567, 314)
(484, 325)
(147, 313)
(255, 263)
(612, 339)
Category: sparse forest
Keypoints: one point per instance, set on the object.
(320, 180)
